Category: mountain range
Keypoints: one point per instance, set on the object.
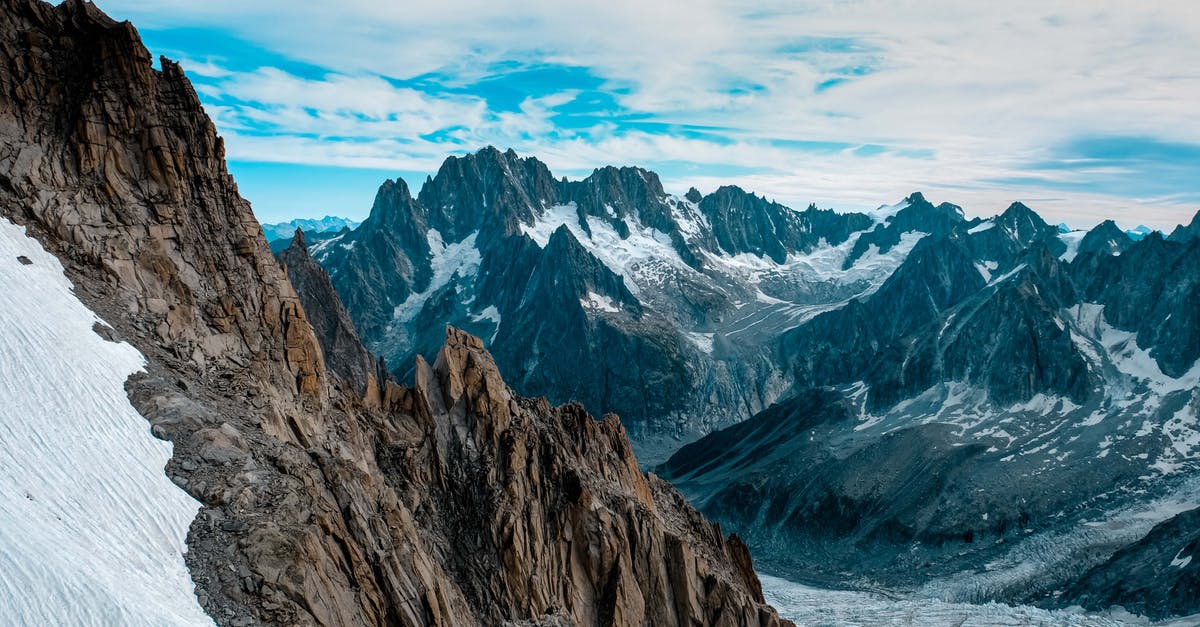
(284, 230)
(671, 304)
(202, 427)
(892, 398)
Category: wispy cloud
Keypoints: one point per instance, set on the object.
(846, 103)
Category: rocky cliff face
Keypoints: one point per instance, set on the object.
(327, 500)
(344, 353)
(98, 148)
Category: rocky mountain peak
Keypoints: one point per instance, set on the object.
(1007, 236)
(395, 209)
(298, 241)
(487, 190)
(917, 215)
(1187, 232)
(921, 212)
(1021, 219)
(454, 502)
(1105, 238)
(609, 175)
(465, 382)
(622, 195)
(745, 223)
(693, 195)
(730, 192)
(395, 188)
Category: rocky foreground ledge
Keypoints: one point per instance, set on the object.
(328, 497)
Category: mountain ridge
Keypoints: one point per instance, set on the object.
(998, 396)
(452, 501)
(487, 218)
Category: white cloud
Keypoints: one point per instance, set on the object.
(985, 87)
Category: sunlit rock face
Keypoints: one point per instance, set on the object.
(327, 493)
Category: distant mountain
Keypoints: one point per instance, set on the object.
(1139, 233)
(328, 224)
(311, 238)
(608, 290)
(1012, 406)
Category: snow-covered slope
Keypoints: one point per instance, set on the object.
(91, 530)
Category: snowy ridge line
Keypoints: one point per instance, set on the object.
(639, 256)
(92, 532)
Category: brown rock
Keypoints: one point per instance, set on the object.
(453, 502)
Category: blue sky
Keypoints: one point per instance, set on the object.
(1082, 110)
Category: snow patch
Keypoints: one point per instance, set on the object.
(986, 225)
(1180, 562)
(448, 260)
(1006, 276)
(1071, 239)
(491, 314)
(703, 341)
(986, 269)
(599, 302)
(883, 213)
(320, 250)
(91, 529)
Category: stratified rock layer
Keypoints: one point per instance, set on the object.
(325, 501)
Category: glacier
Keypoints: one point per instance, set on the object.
(809, 606)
